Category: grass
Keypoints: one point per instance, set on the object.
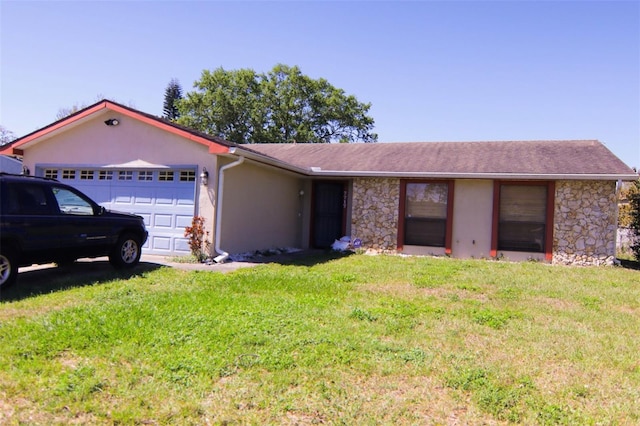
(354, 340)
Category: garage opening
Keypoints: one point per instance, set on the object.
(163, 196)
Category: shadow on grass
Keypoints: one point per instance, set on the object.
(630, 264)
(303, 258)
(49, 279)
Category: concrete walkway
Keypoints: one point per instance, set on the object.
(214, 267)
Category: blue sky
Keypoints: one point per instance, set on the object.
(433, 71)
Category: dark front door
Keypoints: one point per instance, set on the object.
(329, 204)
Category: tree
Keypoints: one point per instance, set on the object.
(624, 205)
(280, 106)
(172, 94)
(6, 136)
(634, 203)
(65, 112)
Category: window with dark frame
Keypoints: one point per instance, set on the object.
(125, 175)
(145, 175)
(187, 176)
(51, 173)
(165, 176)
(425, 214)
(86, 174)
(522, 218)
(68, 174)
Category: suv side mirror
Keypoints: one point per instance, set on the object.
(100, 210)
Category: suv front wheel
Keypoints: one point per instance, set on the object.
(8, 267)
(126, 252)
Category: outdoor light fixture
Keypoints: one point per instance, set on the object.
(112, 122)
(204, 176)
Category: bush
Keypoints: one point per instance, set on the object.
(198, 238)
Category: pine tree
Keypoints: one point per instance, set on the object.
(172, 93)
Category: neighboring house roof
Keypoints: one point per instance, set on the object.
(216, 145)
(578, 159)
(10, 165)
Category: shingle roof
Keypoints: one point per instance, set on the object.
(577, 157)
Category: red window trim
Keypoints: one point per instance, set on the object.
(551, 195)
(448, 237)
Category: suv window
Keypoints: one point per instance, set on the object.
(27, 200)
(71, 203)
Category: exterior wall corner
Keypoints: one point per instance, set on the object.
(585, 223)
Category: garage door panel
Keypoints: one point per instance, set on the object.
(160, 242)
(143, 200)
(146, 217)
(122, 198)
(182, 245)
(164, 201)
(182, 221)
(167, 207)
(163, 221)
(185, 202)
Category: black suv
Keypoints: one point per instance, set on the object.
(43, 221)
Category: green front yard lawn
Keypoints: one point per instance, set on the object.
(355, 340)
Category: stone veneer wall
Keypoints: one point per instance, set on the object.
(585, 223)
(374, 213)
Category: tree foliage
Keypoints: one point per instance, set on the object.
(280, 106)
(634, 204)
(172, 94)
(6, 136)
(65, 112)
(624, 205)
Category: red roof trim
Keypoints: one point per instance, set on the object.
(448, 239)
(548, 239)
(214, 148)
(57, 125)
(495, 219)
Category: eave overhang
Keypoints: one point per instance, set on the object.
(319, 172)
(99, 109)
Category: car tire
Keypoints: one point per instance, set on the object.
(8, 267)
(126, 252)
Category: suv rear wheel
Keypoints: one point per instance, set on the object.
(126, 252)
(8, 267)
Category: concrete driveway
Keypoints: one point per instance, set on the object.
(150, 259)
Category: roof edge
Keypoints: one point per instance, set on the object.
(215, 145)
(492, 176)
(317, 172)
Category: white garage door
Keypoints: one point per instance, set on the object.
(165, 198)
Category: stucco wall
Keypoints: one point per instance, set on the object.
(374, 213)
(261, 209)
(585, 223)
(95, 144)
(472, 218)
